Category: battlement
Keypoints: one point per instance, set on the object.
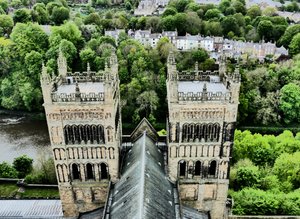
(73, 97)
(197, 75)
(204, 96)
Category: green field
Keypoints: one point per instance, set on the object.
(10, 190)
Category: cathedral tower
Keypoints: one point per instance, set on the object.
(83, 116)
(201, 119)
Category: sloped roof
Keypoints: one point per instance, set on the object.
(144, 125)
(31, 209)
(144, 191)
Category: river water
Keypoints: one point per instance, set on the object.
(19, 135)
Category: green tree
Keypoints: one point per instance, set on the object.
(265, 29)
(40, 14)
(228, 24)
(148, 103)
(254, 11)
(59, 15)
(294, 47)
(22, 15)
(68, 31)
(29, 37)
(290, 102)
(7, 171)
(169, 11)
(6, 24)
(23, 165)
(68, 49)
(287, 168)
(288, 35)
(212, 13)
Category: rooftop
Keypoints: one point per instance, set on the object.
(143, 191)
(197, 86)
(31, 209)
(84, 87)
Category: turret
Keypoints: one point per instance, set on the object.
(46, 84)
(113, 63)
(171, 65)
(172, 84)
(235, 83)
(62, 65)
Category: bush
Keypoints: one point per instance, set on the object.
(257, 202)
(7, 171)
(44, 173)
(23, 165)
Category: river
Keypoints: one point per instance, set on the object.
(20, 135)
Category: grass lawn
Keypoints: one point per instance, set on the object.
(8, 189)
(11, 190)
(40, 193)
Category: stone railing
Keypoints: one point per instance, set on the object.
(91, 97)
(90, 76)
(196, 75)
(201, 96)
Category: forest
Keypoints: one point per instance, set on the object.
(265, 179)
(33, 34)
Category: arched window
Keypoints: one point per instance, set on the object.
(197, 168)
(89, 171)
(75, 171)
(182, 168)
(104, 172)
(212, 168)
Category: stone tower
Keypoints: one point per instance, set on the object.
(83, 116)
(201, 120)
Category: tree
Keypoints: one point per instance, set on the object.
(295, 45)
(148, 102)
(39, 13)
(29, 37)
(23, 165)
(265, 29)
(228, 24)
(212, 13)
(7, 171)
(68, 49)
(287, 168)
(254, 11)
(59, 15)
(288, 35)
(169, 11)
(290, 102)
(239, 7)
(22, 15)
(68, 31)
(6, 24)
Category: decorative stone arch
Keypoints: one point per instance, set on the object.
(182, 169)
(104, 171)
(111, 153)
(197, 168)
(109, 133)
(75, 170)
(181, 151)
(212, 169)
(90, 172)
(173, 152)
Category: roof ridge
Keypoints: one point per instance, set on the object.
(143, 166)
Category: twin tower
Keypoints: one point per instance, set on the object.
(84, 122)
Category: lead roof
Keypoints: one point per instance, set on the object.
(144, 191)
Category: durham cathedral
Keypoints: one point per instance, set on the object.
(105, 175)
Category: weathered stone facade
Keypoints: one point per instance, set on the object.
(201, 119)
(84, 122)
